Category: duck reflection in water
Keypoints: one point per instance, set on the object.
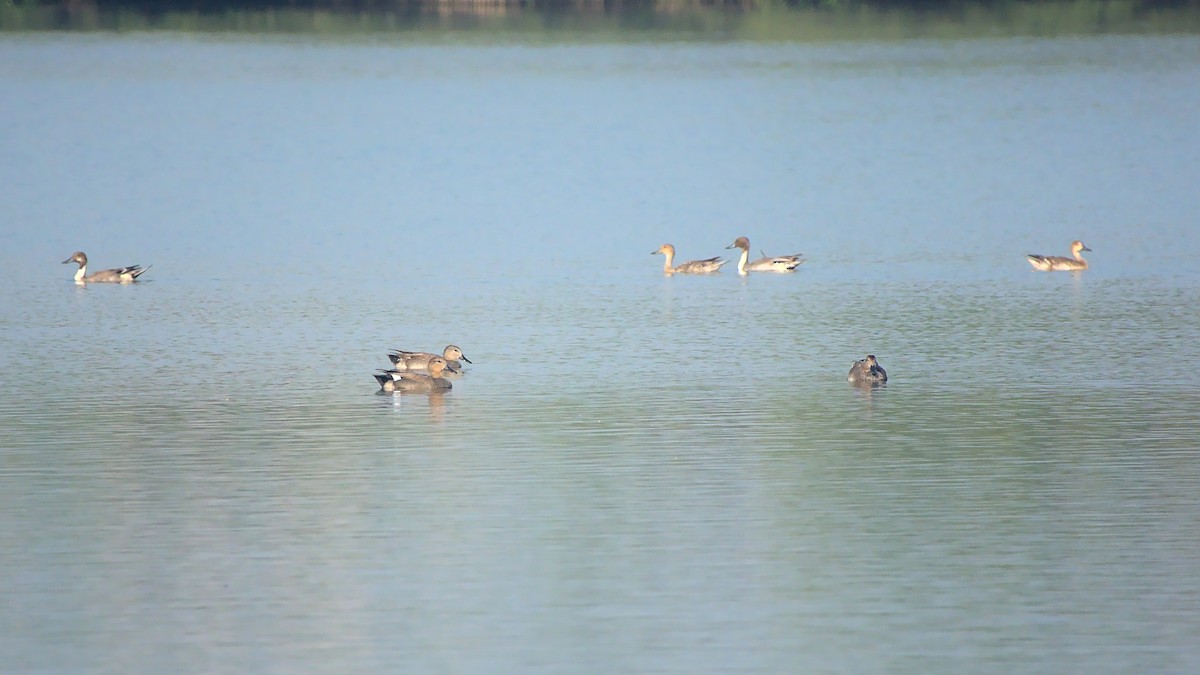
(403, 402)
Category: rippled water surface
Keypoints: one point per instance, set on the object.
(638, 473)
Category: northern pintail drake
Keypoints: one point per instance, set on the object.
(121, 275)
(420, 360)
(1058, 263)
(706, 266)
(867, 371)
(394, 380)
(783, 263)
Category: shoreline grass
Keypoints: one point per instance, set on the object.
(671, 20)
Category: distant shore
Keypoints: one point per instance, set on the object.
(801, 20)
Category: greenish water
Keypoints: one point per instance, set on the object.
(484, 22)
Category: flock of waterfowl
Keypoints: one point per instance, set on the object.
(424, 371)
(789, 263)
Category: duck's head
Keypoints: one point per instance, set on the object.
(741, 242)
(438, 364)
(76, 257)
(453, 352)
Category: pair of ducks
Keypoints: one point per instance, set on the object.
(420, 371)
(783, 263)
(868, 373)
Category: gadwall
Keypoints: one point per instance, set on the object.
(783, 263)
(393, 380)
(122, 275)
(867, 371)
(706, 266)
(420, 360)
(1058, 263)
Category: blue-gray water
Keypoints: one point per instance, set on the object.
(639, 473)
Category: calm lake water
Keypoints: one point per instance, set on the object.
(639, 473)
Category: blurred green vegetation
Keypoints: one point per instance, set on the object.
(608, 20)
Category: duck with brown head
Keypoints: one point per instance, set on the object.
(867, 371)
(1058, 263)
(403, 360)
(706, 266)
(120, 275)
(395, 380)
(783, 263)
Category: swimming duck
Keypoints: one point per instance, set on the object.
(783, 263)
(392, 380)
(867, 371)
(706, 266)
(420, 360)
(122, 275)
(1058, 263)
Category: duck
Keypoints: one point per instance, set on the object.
(1058, 263)
(393, 380)
(783, 263)
(120, 275)
(404, 361)
(867, 371)
(706, 266)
